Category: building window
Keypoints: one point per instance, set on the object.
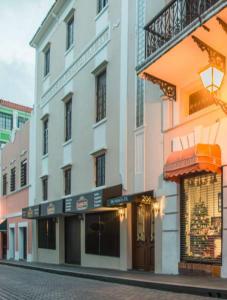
(13, 179)
(101, 96)
(67, 179)
(47, 61)
(21, 121)
(102, 234)
(199, 100)
(68, 120)
(45, 137)
(4, 184)
(47, 234)
(101, 5)
(6, 121)
(45, 188)
(201, 219)
(70, 33)
(100, 169)
(140, 103)
(23, 173)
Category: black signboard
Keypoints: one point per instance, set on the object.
(31, 212)
(84, 202)
(52, 208)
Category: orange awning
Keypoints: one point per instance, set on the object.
(202, 157)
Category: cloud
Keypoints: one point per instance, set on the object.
(16, 82)
(18, 23)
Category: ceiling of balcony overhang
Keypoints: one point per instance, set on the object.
(181, 64)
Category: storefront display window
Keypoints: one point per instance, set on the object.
(47, 233)
(103, 234)
(201, 218)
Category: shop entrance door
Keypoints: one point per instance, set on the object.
(4, 245)
(12, 243)
(143, 235)
(24, 229)
(72, 240)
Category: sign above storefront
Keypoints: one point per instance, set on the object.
(118, 201)
(52, 208)
(84, 202)
(31, 212)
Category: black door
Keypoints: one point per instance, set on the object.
(24, 243)
(143, 236)
(4, 245)
(72, 240)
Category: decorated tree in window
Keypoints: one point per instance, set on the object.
(199, 228)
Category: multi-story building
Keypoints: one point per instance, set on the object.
(12, 117)
(113, 161)
(80, 122)
(185, 56)
(15, 232)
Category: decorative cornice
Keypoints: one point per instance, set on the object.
(215, 58)
(94, 47)
(168, 89)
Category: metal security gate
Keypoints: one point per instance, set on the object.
(201, 219)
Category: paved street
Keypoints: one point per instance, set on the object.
(16, 283)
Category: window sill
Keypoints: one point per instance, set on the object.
(66, 196)
(101, 12)
(140, 128)
(99, 123)
(98, 188)
(67, 143)
(17, 190)
(46, 76)
(69, 49)
(45, 156)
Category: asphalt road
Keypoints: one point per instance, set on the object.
(17, 283)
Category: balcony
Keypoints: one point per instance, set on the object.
(172, 20)
(169, 45)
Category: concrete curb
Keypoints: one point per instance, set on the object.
(162, 286)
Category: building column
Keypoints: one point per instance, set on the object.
(170, 229)
(224, 241)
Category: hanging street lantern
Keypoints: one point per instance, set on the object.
(212, 78)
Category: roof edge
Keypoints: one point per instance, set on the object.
(47, 21)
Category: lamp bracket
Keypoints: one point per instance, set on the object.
(222, 23)
(220, 103)
(168, 89)
(215, 58)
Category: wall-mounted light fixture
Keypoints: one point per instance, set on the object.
(156, 207)
(121, 212)
(212, 76)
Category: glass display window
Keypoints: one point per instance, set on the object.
(201, 218)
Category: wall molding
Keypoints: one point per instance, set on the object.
(80, 62)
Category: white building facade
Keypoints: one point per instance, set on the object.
(103, 137)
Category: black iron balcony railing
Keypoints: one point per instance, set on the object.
(176, 16)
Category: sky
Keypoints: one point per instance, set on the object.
(19, 20)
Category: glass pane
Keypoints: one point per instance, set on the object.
(92, 233)
(152, 224)
(141, 214)
(202, 219)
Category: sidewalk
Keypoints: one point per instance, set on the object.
(195, 285)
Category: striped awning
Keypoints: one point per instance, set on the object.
(202, 157)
